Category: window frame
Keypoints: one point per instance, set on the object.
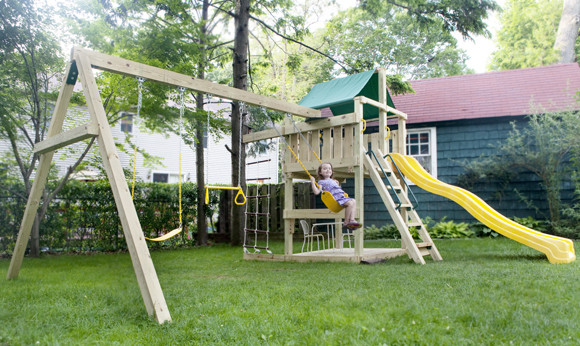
(432, 146)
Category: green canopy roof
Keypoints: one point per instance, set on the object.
(338, 94)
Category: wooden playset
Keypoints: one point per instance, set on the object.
(343, 145)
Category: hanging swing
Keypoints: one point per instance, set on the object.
(178, 230)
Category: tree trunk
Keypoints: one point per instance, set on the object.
(240, 76)
(568, 31)
(35, 238)
(199, 134)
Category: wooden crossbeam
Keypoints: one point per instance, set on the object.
(382, 107)
(127, 67)
(65, 138)
(317, 124)
(312, 214)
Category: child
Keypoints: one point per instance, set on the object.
(327, 182)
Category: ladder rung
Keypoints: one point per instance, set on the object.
(427, 245)
(259, 214)
(255, 230)
(415, 224)
(406, 205)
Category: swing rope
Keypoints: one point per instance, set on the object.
(180, 130)
(140, 81)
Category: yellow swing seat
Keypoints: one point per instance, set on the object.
(331, 203)
(166, 235)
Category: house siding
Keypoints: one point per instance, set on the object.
(459, 142)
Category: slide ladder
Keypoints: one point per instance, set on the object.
(557, 249)
(395, 197)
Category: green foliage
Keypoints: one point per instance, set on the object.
(467, 17)
(527, 34)
(84, 215)
(446, 229)
(384, 232)
(393, 40)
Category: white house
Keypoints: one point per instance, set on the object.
(166, 147)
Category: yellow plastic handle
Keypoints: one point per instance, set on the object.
(364, 125)
(206, 195)
(388, 132)
(240, 192)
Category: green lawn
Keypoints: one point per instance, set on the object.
(486, 291)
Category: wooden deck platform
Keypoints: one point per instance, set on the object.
(331, 255)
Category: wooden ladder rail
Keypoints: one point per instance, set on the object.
(427, 247)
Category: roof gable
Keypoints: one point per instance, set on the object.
(492, 94)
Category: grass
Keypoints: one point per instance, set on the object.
(486, 291)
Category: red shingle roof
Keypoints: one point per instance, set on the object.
(493, 94)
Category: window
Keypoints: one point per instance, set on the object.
(160, 177)
(422, 145)
(168, 177)
(127, 123)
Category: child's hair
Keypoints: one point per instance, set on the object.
(320, 177)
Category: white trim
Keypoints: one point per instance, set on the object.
(432, 145)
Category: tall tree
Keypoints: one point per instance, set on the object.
(240, 79)
(393, 40)
(568, 31)
(527, 34)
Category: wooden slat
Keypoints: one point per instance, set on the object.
(348, 142)
(337, 143)
(312, 125)
(65, 138)
(326, 146)
(314, 137)
(304, 149)
(127, 67)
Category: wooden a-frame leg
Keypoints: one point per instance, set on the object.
(140, 256)
(39, 183)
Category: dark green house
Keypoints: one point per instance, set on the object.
(453, 120)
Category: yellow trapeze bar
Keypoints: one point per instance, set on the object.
(240, 193)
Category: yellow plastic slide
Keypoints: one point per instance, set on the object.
(557, 249)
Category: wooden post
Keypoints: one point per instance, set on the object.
(39, 183)
(288, 201)
(382, 113)
(358, 177)
(142, 263)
